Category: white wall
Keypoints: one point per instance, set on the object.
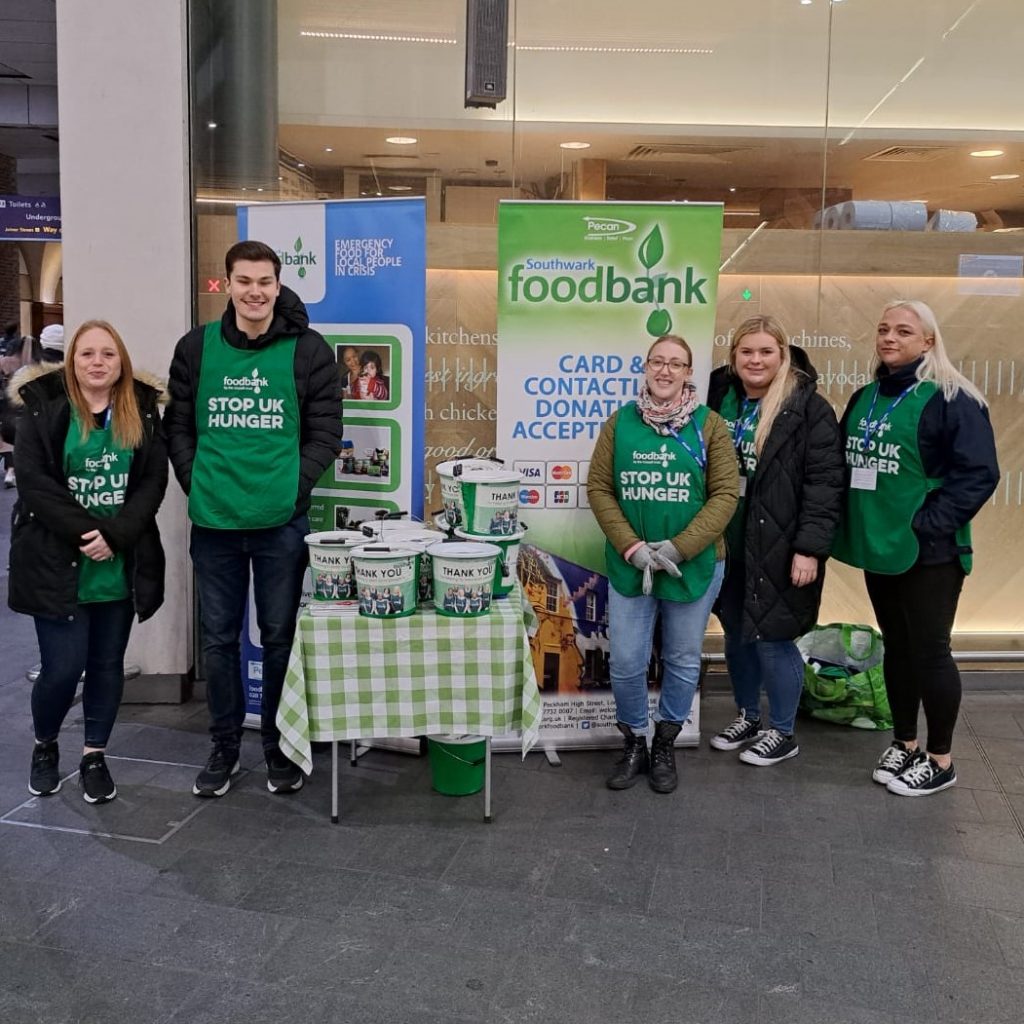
(125, 203)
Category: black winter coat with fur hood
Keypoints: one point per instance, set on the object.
(48, 523)
(793, 507)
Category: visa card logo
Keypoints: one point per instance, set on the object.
(530, 471)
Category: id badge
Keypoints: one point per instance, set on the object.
(864, 478)
(743, 486)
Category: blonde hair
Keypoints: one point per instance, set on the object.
(784, 382)
(125, 415)
(936, 366)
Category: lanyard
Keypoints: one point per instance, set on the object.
(701, 457)
(106, 417)
(870, 431)
(745, 420)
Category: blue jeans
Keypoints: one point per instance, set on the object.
(222, 560)
(772, 665)
(631, 632)
(93, 642)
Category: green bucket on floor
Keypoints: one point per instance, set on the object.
(457, 764)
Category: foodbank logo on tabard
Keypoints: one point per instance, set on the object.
(297, 259)
(587, 280)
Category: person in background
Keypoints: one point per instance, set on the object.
(16, 351)
(791, 489)
(371, 382)
(922, 462)
(85, 549)
(663, 486)
(51, 341)
(254, 420)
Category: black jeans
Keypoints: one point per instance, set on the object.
(222, 559)
(93, 642)
(915, 611)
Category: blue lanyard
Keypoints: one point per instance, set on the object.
(106, 418)
(701, 457)
(744, 420)
(868, 431)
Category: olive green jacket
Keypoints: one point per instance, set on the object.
(722, 486)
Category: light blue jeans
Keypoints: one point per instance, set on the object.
(631, 632)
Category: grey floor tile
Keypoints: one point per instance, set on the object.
(209, 876)
(1009, 931)
(928, 929)
(598, 878)
(1005, 751)
(970, 993)
(998, 844)
(304, 891)
(502, 862)
(419, 900)
(703, 895)
(508, 922)
(868, 870)
(781, 858)
(657, 1001)
(994, 725)
(811, 911)
(993, 886)
(790, 1008)
(398, 850)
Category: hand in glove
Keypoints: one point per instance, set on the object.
(643, 559)
(665, 555)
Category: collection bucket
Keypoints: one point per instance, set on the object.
(387, 580)
(490, 501)
(449, 475)
(457, 764)
(418, 537)
(505, 575)
(330, 565)
(464, 577)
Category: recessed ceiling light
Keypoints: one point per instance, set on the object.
(279, 178)
(328, 149)
(987, 152)
(300, 165)
(401, 140)
(377, 37)
(574, 145)
(259, 190)
(1003, 177)
(806, 3)
(400, 188)
(211, 124)
(732, 188)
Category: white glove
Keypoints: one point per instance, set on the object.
(643, 559)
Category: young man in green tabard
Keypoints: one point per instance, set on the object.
(254, 420)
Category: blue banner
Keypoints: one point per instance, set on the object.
(30, 218)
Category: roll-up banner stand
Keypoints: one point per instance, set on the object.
(360, 267)
(583, 291)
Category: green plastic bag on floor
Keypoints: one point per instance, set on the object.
(843, 680)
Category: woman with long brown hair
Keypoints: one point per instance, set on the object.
(791, 467)
(85, 550)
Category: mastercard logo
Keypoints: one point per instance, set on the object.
(529, 496)
(561, 473)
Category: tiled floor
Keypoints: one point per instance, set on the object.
(801, 893)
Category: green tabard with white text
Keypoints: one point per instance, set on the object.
(246, 470)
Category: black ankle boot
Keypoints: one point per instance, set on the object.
(633, 762)
(663, 757)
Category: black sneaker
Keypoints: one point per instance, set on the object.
(894, 759)
(742, 731)
(94, 778)
(771, 748)
(922, 777)
(215, 778)
(44, 775)
(283, 776)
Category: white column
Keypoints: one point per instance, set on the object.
(122, 77)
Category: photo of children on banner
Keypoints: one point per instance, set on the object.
(333, 586)
(381, 602)
(463, 601)
(363, 374)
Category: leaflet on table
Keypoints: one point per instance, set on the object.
(583, 291)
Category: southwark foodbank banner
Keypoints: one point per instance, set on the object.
(583, 291)
(360, 268)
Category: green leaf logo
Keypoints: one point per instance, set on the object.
(302, 271)
(652, 248)
(298, 244)
(659, 323)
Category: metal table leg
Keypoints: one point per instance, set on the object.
(487, 780)
(334, 782)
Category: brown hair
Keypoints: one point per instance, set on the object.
(675, 339)
(125, 415)
(784, 381)
(254, 252)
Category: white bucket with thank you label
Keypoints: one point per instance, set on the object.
(490, 502)
(330, 566)
(387, 580)
(464, 577)
(449, 475)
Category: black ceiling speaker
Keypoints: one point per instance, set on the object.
(486, 52)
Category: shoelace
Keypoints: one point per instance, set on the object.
(769, 742)
(661, 753)
(921, 771)
(893, 759)
(737, 728)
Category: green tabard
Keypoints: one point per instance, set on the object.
(660, 487)
(245, 475)
(97, 475)
(875, 531)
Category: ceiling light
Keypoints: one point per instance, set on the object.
(692, 50)
(400, 188)
(211, 124)
(401, 140)
(1003, 177)
(574, 145)
(732, 188)
(987, 152)
(806, 3)
(377, 37)
(300, 165)
(328, 149)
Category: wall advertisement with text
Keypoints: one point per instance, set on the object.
(359, 266)
(583, 291)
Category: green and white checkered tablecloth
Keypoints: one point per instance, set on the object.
(351, 677)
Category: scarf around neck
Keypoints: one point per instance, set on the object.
(667, 418)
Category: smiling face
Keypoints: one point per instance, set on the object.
(350, 357)
(253, 288)
(756, 358)
(667, 370)
(97, 362)
(901, 338)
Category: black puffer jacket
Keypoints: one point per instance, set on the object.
(317, 386)
(793, 506)
(47, 523)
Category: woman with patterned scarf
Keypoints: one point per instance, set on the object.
(663, 484)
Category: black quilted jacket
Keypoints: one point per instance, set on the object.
(793, 506)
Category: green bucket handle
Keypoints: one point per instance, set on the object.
(455, 757)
